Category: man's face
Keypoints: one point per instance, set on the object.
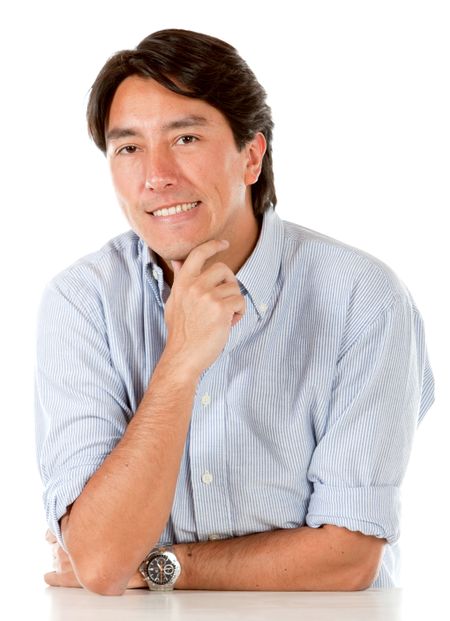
(170, 152)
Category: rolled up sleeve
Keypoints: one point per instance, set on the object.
(81, 404)
(382, 389)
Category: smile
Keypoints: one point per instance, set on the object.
(175, 209)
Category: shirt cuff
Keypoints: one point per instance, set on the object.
(62, 492)
(369, 510)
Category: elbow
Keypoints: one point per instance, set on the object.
(354, 578)
(95, 572)
(97, 581)
(361, 557)
(98, 574)
(363, 575)
(359, 582)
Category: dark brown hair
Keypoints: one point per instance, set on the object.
(199, 66)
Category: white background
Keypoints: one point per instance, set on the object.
(360, 97)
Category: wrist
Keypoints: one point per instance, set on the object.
(179, 366)
(181, 552)
(137, 581)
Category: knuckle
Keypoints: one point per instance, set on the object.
(196, 288)
(216, 307)
(224, 270)
(210, 296)
(220, 266)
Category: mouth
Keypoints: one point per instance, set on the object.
(174, 209)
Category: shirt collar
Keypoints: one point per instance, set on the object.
(153, 272)
(260, 272)
(257, 276)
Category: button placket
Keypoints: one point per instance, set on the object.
(208, 463)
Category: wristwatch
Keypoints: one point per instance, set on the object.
(160, 569)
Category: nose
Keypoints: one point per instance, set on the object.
(160, 171)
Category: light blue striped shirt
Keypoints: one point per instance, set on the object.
(306, 418)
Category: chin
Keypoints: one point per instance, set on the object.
(178, 252)
(175, 255)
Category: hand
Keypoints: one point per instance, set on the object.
(202, 306)
(64, 575)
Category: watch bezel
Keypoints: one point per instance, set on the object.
(169, 555)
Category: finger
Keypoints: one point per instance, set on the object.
(229, 298)
(50, 537)
(62, 560)
(236, 317)
(226, 290)
(52, 579)
(217, 274)
(198, 256)
(56, 579)
(235, 307)
(176, 267)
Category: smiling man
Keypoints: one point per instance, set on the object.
(161, 147)
(225, 400)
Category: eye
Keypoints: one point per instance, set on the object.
(185, 140)
(128, 149)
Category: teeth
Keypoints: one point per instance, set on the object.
(175, 209)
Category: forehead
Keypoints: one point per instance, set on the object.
(143, 101)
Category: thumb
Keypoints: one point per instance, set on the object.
(176, 267)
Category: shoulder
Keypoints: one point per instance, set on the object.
(98, 274)
(340, 285)
(328, 262)
(117, 256)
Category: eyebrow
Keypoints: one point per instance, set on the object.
(117, 133)
(187, 121)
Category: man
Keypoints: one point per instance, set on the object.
(219, 381)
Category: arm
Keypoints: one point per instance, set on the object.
(113, 523)
(379, 391)
(301, 559)
(64, 575)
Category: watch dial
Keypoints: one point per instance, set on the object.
(160, 570)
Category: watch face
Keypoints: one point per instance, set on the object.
(161, 570)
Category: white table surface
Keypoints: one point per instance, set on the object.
(60, 604)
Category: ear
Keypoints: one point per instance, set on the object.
(255, 150)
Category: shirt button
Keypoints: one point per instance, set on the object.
(155, 274)
(213, 537)
(207, 478)
(263, 308)
(206, 399)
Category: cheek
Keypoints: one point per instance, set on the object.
(126, 176)
(227, 178)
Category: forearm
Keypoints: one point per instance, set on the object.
(302, 559)
(113, 523)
